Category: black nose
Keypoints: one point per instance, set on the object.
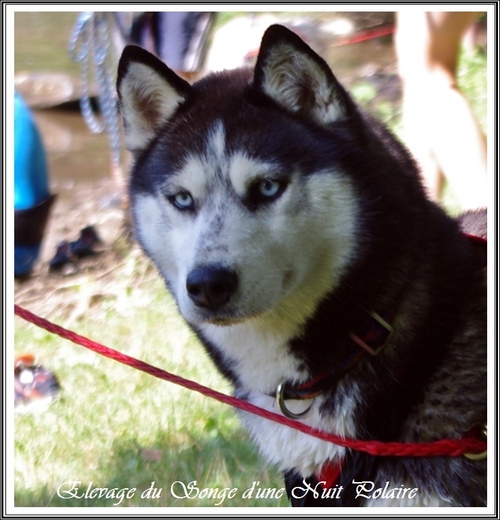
(211, 286)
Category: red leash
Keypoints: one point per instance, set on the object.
(368, 34)
(446, 447)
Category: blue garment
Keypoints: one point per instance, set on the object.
(31, 188)
(31, 184)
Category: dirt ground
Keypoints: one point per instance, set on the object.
(48, 292)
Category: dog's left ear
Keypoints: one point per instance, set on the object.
(293, 75)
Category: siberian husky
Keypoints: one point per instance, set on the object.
(295, 235)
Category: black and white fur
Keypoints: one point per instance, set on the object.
(279, 215)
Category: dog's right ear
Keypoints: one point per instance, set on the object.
(295, 77)
(149, 94)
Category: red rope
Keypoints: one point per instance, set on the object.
(447, 447)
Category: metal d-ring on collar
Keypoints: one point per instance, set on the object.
(372, 341)
(280, 401)
(479, 456)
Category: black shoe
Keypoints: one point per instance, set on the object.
(64, 255)
(85, 245)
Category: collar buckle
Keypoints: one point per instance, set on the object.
(374, 351)
(373, 342)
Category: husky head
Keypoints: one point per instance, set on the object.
(238, 190)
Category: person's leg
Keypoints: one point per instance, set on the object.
(439, 126)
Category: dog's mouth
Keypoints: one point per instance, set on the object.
(224, 317)
(225, 321)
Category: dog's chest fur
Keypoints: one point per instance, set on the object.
(259, 359)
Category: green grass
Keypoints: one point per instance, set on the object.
(116, 427)
(473, 81)
(471, 77)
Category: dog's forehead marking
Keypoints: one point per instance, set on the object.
(217, 141)
(217, 167)
(193, 177)
(200, 170)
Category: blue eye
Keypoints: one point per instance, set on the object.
(182, 200)
(264, 191)
(269, 188)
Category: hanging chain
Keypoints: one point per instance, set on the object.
(91, 44)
